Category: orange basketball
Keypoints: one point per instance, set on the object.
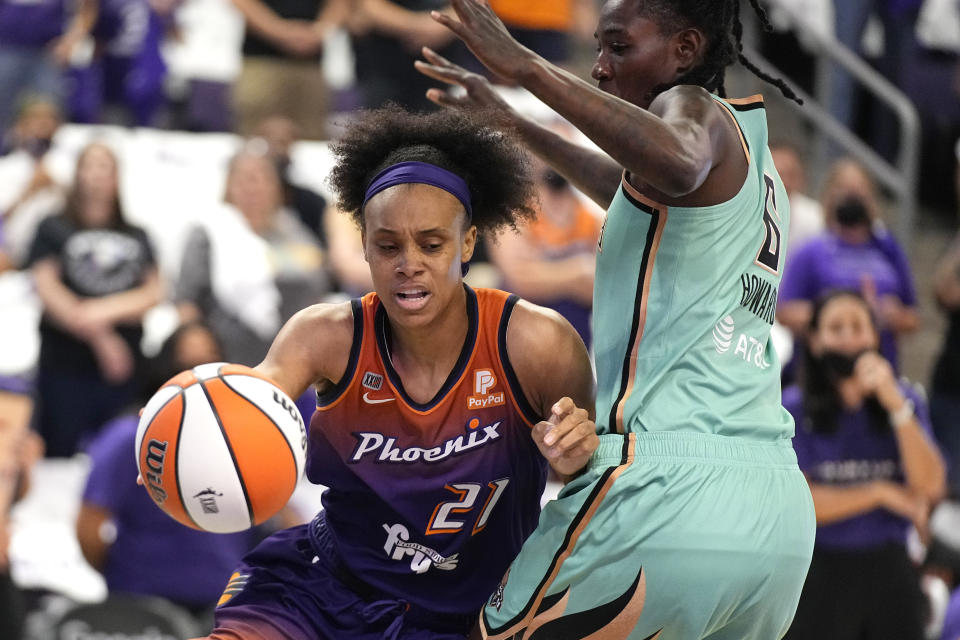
(220, 447)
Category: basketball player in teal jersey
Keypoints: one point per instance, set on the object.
(692, 520)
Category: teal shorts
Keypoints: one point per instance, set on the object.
(667, 536)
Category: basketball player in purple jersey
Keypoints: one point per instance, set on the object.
(438, 406)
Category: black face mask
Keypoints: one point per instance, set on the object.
(852, 212)
(839, 365)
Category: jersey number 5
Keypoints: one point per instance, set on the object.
(769, 255)
(443, 519)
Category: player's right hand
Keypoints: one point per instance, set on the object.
(567, 439)
(477, 92)
(476, 24)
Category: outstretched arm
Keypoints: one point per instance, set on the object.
(592, 171)
(672, 146)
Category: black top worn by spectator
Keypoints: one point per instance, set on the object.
(385, 66)
(94, 263)
(254, 45)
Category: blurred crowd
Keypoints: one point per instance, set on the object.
(116, 295)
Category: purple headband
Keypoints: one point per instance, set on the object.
(421, 173)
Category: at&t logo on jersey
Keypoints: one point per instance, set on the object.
(397, 547)
(723, 334)
(752, 351)
(483, 396)
(748, 348)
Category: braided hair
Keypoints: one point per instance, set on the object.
(720, 22)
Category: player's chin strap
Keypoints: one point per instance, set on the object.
(382, 610)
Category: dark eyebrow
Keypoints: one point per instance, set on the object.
(424, 232)
(612, 30)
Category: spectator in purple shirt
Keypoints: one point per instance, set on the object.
(138, 548)
(37, 38)
(127, 70)
(863, 441)
(855, 253)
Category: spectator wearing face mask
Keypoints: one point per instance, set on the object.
(863, 441)
(856, 253)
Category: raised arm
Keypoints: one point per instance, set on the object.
(672, 146)
(593, 172)
(313, 347)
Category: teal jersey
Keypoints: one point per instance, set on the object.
(684, 301)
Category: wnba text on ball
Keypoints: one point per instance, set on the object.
(291, 408)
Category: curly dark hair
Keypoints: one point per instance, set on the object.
(720, 22)
(495, 168)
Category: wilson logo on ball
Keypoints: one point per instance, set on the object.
(156, 452)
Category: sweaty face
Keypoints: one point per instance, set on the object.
(415, 237)
(845, 327)
(633, 56)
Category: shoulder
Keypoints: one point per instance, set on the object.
(548, 357)
(51, 237)
(56, 225)
(683, 95)
(538, 329)
(323, 322)
(691, 104)
(137, 232)
(816, 244)
(315, 343)
(887, 243)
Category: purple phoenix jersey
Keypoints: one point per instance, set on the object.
(429, 501)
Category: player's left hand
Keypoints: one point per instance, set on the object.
(567, 439)
(486, 36)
